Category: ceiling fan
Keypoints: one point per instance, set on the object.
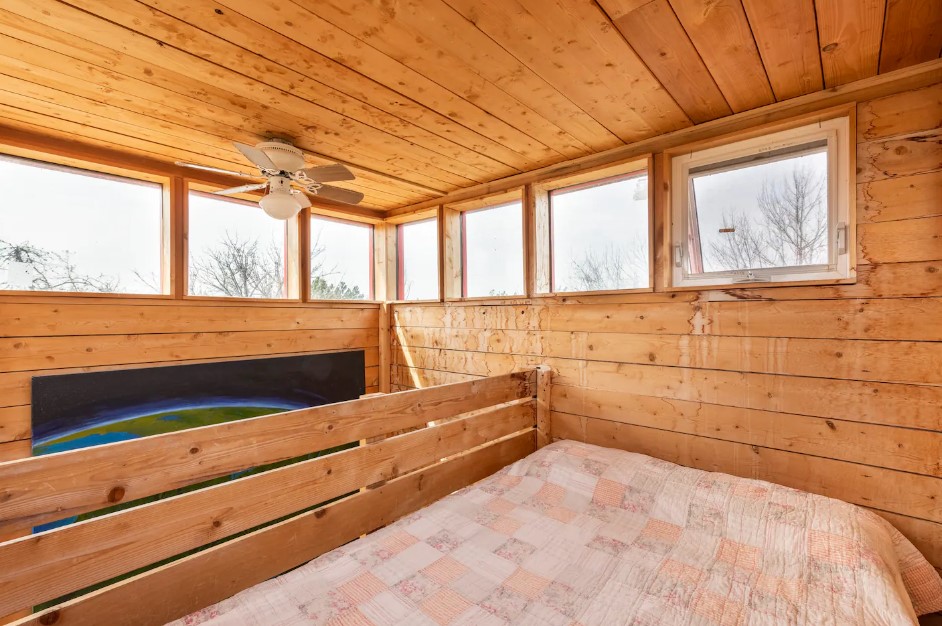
(282, 165)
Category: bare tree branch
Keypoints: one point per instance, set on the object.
(789, 229)
(53, 271)
(612, 267)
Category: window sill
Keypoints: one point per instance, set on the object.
(726, 286)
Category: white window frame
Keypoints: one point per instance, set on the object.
(841, 243)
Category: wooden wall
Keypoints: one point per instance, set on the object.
(47, 334)
(832, 389)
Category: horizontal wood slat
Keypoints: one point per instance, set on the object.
(905, 156)
(908, 197)
(899, 114)
(197, 581)
(867, 485)
(890, 318)
(903, 449)
(18, 354)
(42, 567)
(907, 362)
(60, 485)
(47, 319)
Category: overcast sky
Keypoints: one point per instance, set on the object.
(112, 227)
(419, 241)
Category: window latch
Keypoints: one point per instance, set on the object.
(842, 238)
(678, 256)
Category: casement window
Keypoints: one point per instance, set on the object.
(600, 234)
(492, 249)
(235, 249)
(417, 260)
(775, 208)
(341, 259)
(66, 229)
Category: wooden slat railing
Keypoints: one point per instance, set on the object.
(495, 425)
(42, 489)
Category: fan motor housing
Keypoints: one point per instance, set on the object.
(286, 157)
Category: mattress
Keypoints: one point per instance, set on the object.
(577, 534)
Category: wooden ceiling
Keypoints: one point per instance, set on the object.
(424, 97)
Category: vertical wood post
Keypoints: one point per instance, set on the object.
(304, 259)
(385, 347)
(544, 378)
(177, 230)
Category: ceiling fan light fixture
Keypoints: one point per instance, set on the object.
(280, 204)
(286, 157)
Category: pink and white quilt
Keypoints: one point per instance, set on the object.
(576, 534)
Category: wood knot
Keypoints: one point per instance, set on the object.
(218, 11)
(830, 424)
(652, 357)
(116, 494)
(216, 523)
(831, 47)
(330, 471)
(49, 618)
(194, 450)
(839, 354)
(319, 513)
(330, 427)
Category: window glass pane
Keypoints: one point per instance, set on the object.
(341, 260)
(235, 249)
(418, 250)
(771, 213)
(65, 229)
(493, 240)
(600, 236)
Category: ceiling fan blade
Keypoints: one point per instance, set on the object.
(328, 173)
(337, 194)
(242, 189)
(218, 170)
(256, 156)
(302, 199)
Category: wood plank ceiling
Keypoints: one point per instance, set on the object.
(428, 96)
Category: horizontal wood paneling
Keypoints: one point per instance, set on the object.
(867, 485)
(43, 334)
(835, 389)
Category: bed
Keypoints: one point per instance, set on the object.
(576, 534)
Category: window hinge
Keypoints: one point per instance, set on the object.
(678, 256)
(752, 277)
(842, 238)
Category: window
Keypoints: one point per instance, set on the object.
(417, 249)
(107, 236)
(341, 259)
(600, 235)
(775, 208)
(236, 250)
(492, 250)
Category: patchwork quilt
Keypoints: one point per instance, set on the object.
(578, 535)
